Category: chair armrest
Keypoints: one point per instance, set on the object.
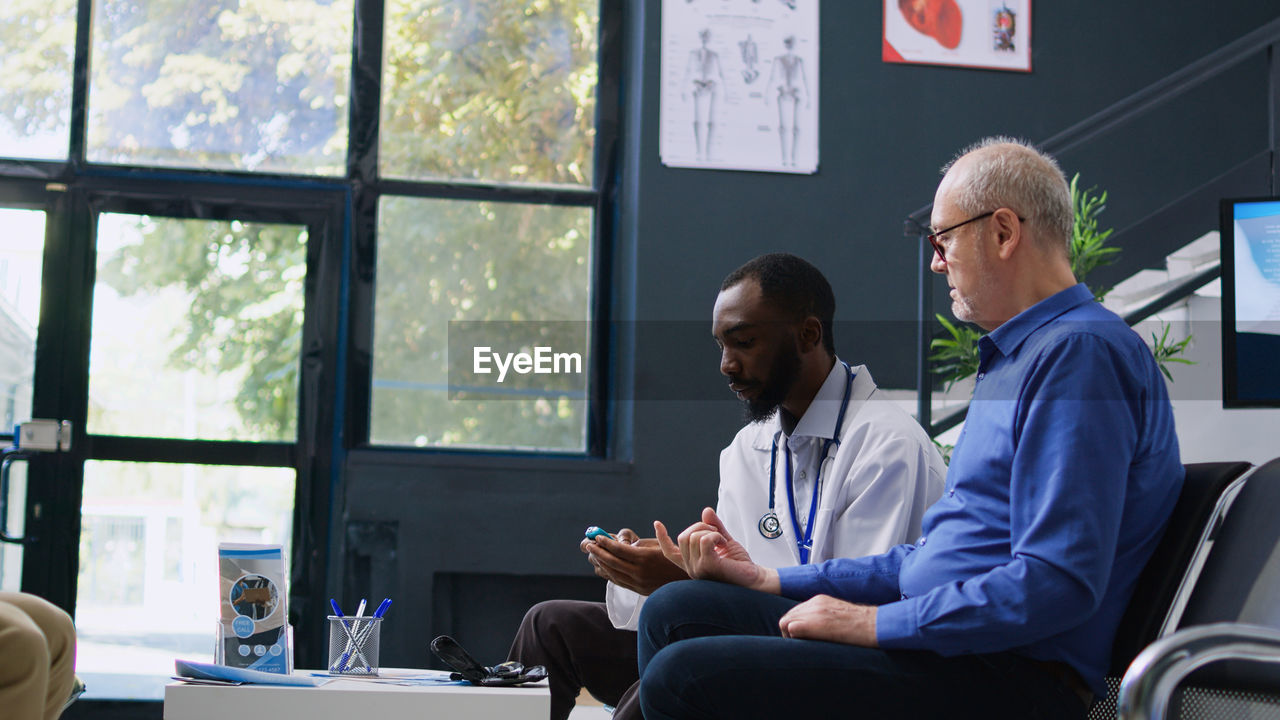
(1149, 682)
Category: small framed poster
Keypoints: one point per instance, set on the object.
(992, 34)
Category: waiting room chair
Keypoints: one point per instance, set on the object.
(1228, 643)
(1150, 685)
(1207, 492)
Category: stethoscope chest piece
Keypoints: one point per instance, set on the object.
(770, 526)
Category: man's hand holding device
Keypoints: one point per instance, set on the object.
(630, 561)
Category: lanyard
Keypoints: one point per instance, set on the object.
(769, 525)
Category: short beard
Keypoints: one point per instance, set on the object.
(967, 308)
(782, 377)
(965, 311)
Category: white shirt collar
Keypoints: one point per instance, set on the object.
(819, 420)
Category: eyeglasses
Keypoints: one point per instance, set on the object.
(937, 246)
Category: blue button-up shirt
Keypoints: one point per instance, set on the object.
(1058, 491)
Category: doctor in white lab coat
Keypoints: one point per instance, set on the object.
(826, 467)
(876, 482)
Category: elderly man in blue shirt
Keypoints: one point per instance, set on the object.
(1059, 488)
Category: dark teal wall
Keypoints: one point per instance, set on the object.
(467, 543)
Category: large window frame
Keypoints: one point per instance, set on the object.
(341, 214)
(369, 188)
(363, 188)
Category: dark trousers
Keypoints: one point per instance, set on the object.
(580, 648)
(710, 650)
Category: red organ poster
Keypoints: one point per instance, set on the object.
(993, 34)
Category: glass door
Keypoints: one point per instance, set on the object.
(195, 345)
(188, 336)
(21, 265)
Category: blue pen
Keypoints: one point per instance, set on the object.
(338, 611)
(342, 663)
(346, 652)
(382, 609)
(363, 635)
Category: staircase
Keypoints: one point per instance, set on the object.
(1139, 290)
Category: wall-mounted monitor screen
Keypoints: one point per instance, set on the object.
(1250, 234)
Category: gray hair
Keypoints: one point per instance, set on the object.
(1008, 172)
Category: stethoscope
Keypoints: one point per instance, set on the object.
(770, 527)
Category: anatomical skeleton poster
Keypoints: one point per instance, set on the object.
(994, 34)
(740, 85)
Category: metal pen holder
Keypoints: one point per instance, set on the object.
(353, 645)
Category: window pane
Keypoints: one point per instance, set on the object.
(38, 38)
(500, 263)
(21, 263)
(489, 90)
(197, 329)
(15, 515)
(227, 84)
(149, 564)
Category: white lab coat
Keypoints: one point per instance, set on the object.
(885, 473)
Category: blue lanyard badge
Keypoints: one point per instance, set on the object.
(770, 527)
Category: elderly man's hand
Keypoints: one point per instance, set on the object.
(823, 617)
